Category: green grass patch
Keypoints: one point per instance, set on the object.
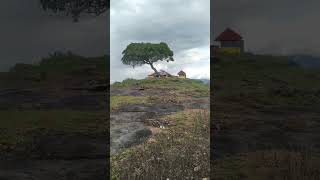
(180, 86)
(117, 101)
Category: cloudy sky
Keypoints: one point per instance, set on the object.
(28, 33)
(183, 24)
(272, 26)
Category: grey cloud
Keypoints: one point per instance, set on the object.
(183, 24)
(29, 33)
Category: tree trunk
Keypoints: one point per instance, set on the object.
(155, 70)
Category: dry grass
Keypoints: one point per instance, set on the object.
(269, 165)
(179, 152)
(166, 99)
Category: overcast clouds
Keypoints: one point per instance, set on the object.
(183, 24)
(28, 33)
(273, 26)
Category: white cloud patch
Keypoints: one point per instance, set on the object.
(183, 24)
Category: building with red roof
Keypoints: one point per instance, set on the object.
(230, 39)
(182, 74)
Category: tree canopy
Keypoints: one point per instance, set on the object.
(138, 54)
(76, 7)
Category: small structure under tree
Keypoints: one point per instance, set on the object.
(161, 74)
(182, 74)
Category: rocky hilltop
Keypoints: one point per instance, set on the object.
(166, 119)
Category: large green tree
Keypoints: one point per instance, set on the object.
(76, 7)
(138, 54)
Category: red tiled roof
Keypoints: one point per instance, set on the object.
(229, 35)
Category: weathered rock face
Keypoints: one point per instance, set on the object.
(130, 123)
(128, 126)
(127, 129)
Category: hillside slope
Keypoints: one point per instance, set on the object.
(266, 118)
(53, 119)
(160, 123)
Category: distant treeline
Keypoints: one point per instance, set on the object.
(60, 64)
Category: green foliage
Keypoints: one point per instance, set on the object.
(137, 54)
(69, 63)
(76, 7)
(57, 66)
(23, 68)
